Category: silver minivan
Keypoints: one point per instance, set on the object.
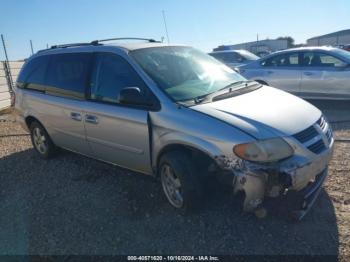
(177, 114)
(308, 72)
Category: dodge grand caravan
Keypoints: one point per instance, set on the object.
(175, 113)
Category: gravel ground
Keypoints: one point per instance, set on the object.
(75, 205)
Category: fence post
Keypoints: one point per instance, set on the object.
(7, 67)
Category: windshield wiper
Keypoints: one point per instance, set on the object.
(239, 91)
(246, 82)
(202, 98)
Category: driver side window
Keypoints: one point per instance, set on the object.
(232, 57)
(282, 60)
(111, 74)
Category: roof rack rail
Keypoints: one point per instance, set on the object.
(70, 45)
(95, 42)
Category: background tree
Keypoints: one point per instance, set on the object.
(290, 40)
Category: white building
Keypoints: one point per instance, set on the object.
(336, 38)
(268, 45)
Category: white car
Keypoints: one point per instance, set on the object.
(309, 72)
(234, 58)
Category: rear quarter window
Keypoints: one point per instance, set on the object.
(34, 71)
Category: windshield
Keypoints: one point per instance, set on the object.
(343, 53)
(184, 73)
(248, 55)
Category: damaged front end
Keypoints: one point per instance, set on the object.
(302, 175)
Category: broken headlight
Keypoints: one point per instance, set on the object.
(269, 150)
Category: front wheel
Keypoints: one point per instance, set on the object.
(180, 180)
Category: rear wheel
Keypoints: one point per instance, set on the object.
(41, 141)
(180, 181)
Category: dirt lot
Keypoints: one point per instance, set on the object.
(75, 205)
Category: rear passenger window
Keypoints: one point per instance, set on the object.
(69, 74)
(111, 74)
(34, 71)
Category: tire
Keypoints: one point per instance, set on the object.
(41, 141)
(185, 174)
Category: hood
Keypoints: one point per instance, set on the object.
(264, 113)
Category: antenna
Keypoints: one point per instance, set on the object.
(31, 46)
(166, 27)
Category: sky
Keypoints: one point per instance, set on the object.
(204, 24)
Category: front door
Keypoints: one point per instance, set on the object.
(283, 71)
(117, 133)
(324, 77)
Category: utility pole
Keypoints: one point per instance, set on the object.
(166, 27)
(3, 44)
(31, 46)
(257, 42)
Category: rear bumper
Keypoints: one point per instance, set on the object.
(20, 119)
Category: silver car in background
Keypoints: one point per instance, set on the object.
(309, 72)
(234, 58)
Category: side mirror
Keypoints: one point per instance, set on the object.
(132, 96)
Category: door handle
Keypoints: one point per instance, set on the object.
(75, 116)
(269, 72)
(308, 73)
(91, 119)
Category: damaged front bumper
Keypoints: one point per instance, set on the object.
(307, 196)
(302, 176)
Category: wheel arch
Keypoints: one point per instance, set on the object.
(195, 153)
(30, 119)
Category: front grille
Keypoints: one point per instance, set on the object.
(312, 137)
(329, 135)
(317, 147)
(306, 134)
(322, 122)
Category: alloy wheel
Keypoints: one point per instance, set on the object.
(171, 186)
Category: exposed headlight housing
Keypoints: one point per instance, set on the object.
(265, 151)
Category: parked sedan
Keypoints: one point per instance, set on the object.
(309, 72)
(234, 58)
(346, 47)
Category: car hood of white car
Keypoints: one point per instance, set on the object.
(263, 113)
